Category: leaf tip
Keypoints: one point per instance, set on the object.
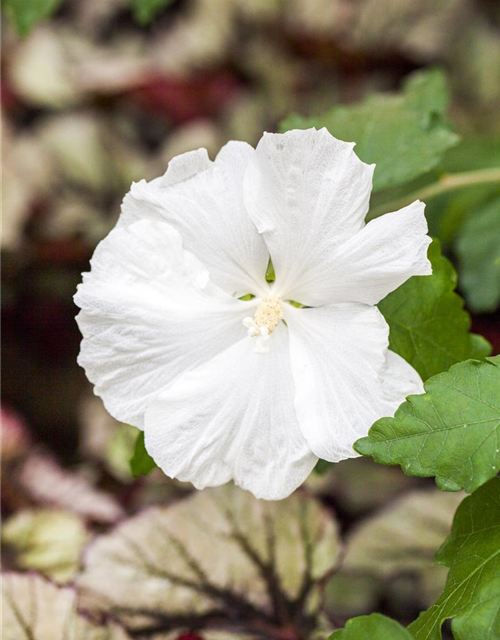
(364, 446)
(141, 463)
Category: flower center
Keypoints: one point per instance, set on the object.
(268, 315)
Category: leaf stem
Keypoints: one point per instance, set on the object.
(448, 182)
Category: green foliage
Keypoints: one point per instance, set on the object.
(374, 627)
(146, 10)
(322, 467)
(428, 92)
(141, 463)
(428, 326)
(406, 135)
(119, 449)
(472, 593)
(25, 14)
(478, 248)
(451, 432)
(448, 212)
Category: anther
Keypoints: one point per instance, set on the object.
(268, 315)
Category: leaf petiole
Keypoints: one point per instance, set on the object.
(445, 184)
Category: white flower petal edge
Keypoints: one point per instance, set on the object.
(399, 380)
(344, 379)
(233, 418)
(308, 193)
(373, 262)
(203, 201)
(185, 166)
(148, 314)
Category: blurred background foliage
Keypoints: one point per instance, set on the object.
(97, 94)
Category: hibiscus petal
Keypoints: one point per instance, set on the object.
(307, 192)
(399, 379)
(372, 263)
(343, 384)
(233, 418)
(149, 313)
(203, 200)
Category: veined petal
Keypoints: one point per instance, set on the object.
(203, 201)
(338, 355)
(148, 314)
(373, 262)
(233, 418)
(308, 193)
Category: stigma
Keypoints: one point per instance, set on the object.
(268, 315)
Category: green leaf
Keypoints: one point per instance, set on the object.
(478, 248)
(451, 432)
(405, 135)
(447, 213)
(429, 327)
(374, 627)
(472, 593)
(141, 463)
(428, 91)
(322, 467)
(480, 347)
(145, 11)
(119, 449)
(25, 14)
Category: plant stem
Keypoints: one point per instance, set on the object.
(448, 182)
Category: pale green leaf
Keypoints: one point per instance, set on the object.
(478, 248)
(374, 627)
(403, 537)
(429, 327)
(416, 31)
(398, 540)
(351, 594)
(25, 14)
(119, 449)
(405, 135)
(35, 609)
(219, 550)
(452, 431)
(358, 485)
(472, 552)
(46, 540)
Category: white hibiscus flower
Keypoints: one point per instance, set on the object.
(252, 390)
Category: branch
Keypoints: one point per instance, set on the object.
(445, 184)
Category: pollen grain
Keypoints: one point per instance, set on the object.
(269, 313)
